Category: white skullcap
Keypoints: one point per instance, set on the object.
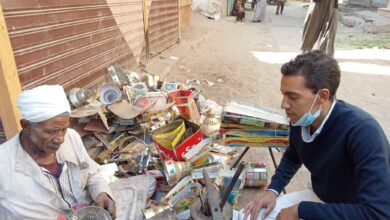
(43, 102)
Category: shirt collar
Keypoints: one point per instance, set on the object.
(306, 136)
(25, 164)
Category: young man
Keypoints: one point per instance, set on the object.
(342, 146)
(45, 169)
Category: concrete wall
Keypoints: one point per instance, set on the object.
(366, 3)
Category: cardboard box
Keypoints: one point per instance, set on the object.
(255, 175)
(177, 153)
(186, 104)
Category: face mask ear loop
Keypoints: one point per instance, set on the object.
(312, 104)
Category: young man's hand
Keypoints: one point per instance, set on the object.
(104, 201)
(266, 201)
(290, 213)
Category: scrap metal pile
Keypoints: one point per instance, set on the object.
(142, 125)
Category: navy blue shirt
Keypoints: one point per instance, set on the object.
(349, 166)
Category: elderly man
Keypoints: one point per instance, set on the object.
(45, 169)
(342, 146)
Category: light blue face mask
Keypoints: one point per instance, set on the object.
(308, 118)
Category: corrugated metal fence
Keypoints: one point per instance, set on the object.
(72, 42)
(163, 25)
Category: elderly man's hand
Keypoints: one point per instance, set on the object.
(290, 213)
(104, 201)
(266, 201)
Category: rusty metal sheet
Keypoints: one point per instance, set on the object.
(72, 42)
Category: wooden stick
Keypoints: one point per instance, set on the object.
(10, 86)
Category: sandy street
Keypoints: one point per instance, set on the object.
(244, 59)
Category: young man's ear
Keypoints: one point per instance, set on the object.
(324, 94)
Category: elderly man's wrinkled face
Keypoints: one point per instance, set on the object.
(48, 136)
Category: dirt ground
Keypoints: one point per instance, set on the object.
(244, 59)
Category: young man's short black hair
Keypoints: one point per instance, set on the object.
(319, 70)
